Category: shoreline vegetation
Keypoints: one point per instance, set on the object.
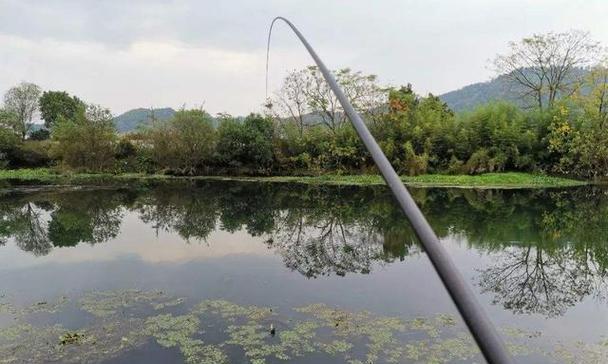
(44, 176)
(302, 131)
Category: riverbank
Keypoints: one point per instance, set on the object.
(488, 180)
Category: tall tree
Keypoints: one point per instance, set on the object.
(56, 104)
(86, 142)
(247, 144)
(544, 67)
(183, 144)
(306, 91)
(22, 100)
(291, 99)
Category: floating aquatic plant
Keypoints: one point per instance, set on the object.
(355, 337)
(178, 331)
(231, 311)
(107, 303)
(71, 338)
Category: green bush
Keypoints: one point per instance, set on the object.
(246, 146)
(479, 162)
(456, 166)
(87, 142)
(125, 149)
(32, 154)
(183, 145)
(414, 164)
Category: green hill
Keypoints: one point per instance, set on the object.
(132, 119)
(479, 93)
(499, 88)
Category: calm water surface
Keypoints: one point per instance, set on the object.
(198, 272)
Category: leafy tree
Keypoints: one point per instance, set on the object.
(591, 141)
(8, 119)
(185, 143)
(593, 96)
(86, 142)
(497, 138)
(9, 141)
(125, 149)
(247, 144)
(57, 104)
(22, 102)
(417, 132)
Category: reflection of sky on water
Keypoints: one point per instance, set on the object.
(137, 240)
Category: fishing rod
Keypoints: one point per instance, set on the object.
(478, 322)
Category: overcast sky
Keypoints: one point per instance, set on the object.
(128, 54)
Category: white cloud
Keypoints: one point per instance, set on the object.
(147, 73)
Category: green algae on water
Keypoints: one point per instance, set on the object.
(128, 319)
(178, 331)
(107, 303)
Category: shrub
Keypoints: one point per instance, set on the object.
(479, 162)
(32, 154)
(40, 134)
(183, 145)
(86, 142)
(456, 166)
(125, 149)
(414, 164)
(9, 142)
(246, 146)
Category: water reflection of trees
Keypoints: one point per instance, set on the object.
(531, 280)
(339, 231)
(27, 227)
(39, 222)
(190, 215)
(548, 249)
(329, 246)
(562, 260)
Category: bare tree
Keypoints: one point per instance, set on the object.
(22, 100)
(544, 67)
(529, 279)
(291, 100)
(30, 230)
(325, 246)
(305, 94)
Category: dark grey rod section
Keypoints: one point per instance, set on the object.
(477, 320)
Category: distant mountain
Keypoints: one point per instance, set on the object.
(475, 94)
(135, 118)
(466, 98)
(499, 88)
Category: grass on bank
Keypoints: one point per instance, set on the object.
(488, 180)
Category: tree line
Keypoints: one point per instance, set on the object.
(559, 127)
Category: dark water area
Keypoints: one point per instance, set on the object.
(198, 272)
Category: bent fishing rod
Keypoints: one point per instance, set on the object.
(475, 317)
